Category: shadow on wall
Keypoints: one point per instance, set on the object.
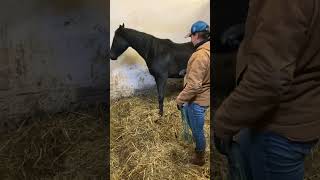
(63, 6)
(53, 57)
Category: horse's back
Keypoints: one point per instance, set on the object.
(173, 56)
(176, 46)
(175, 50)
(183, 51)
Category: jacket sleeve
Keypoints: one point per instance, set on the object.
(197, 70)
(280, 34)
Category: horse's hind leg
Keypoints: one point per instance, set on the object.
(161, 83)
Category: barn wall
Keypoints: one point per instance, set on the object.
(163, 19)
(52, 56)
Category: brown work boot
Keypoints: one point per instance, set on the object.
(198, 158)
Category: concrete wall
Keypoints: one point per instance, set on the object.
(52, 56)
(163, 19)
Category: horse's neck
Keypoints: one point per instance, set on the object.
(140, 42)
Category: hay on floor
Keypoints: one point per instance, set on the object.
(63, 146)
(146, 146)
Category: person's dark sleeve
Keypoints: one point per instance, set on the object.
(280, 34)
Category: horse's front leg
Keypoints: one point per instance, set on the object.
(161, 83)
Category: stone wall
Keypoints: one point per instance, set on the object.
(53, 56)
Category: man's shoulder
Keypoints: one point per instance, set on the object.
(205, 46)
(199, 58)
(201, 54)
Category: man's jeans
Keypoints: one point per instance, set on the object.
(195, 118)
(268, 156)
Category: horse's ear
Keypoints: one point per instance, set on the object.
(123, 25)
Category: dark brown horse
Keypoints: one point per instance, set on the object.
(164, 58)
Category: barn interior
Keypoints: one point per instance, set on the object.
(54, 95)
(144, 145)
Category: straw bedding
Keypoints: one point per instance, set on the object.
(146, 146)
(143, 145)
(62, 146)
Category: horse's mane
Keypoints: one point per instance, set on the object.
(123, 31)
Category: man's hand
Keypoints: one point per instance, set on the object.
(183, 72)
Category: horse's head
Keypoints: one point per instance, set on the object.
(119, 43)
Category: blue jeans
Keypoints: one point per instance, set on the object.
(268, 156)
(195, 118)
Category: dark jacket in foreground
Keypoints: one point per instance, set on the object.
(278, 72)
